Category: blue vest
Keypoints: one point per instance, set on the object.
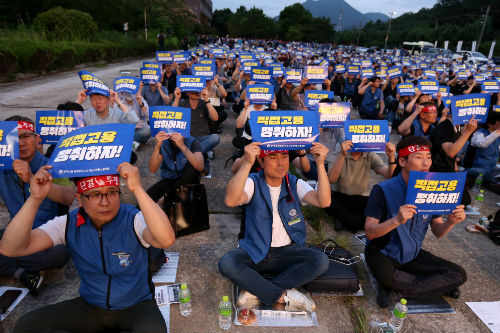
(369, 102)
(406, 240)
(349, 87)
(486, 157)
(14, 194)
(259, 217)
(419, 131)
(171, 168)
(112, 264)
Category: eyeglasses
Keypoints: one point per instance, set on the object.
(26, 136)
(97, 197)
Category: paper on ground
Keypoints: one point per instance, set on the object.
(282, 318)
(488, 312)
(19, 298)
(168, 271)
(167, 294)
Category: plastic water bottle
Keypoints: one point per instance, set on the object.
(225, 313)
(478, 183)
(185, 300)
(479, 200)
(398, 315)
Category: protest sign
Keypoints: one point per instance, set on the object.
(150, 75)
(51, 125)
(277, 70)
(180, 57)
(312, 97)
(463, 107)
(440, 69)
(246, 66)
(92, 151)
(367, 135)
(127, 84)
(316, 74)
(435, 192)
(381, 73)
(206, 62)
(496, 108)
(430, 73)
(164, 57)
(150, 64)
(289, 130)
(395, 72)
(9, 144)
(260, 93)
(490, 86)
(428, 86)
(191, 83)
(333, 114)
(444, 90)
(261, 74)
(207, 71)
(170, 119)
(367, 73)
(366, 63)
(406, 89)
(353, 70)
(340, 68)
(463, 75)
(93, 84)
(293, 75)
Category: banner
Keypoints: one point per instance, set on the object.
(353, 70)
(92, 151)
(207, 71)
(490, 86)
(395, 72)
(164, 57)
(93, 84)
(260, 93)
(316, 74)
(191, 83)
(312, 97)
(490, 54)
(459, 45)
(9, 144)
(474, 43)
(463, 107)
(406, 89)
(293, 75)
(261, 74)
(288, 130)
(150, 75)
(333, 114)
(127, 84)
(367, 135)
(51, 125)
(428, 87)
(435, 192)
(446, 42)
(170, 119)
(367, 73)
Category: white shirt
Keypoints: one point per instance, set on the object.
(280, 236)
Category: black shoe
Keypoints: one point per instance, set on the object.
(337, 225)
(383, 297)
(31, 280)
(455, 293)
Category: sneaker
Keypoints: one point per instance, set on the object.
(247, 300)
(31, 280)
(210, 155)
(296, 301)
(383, 297)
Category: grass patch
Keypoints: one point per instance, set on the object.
(359, 317)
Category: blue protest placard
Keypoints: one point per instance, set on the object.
(247, 66)
(246, 56)
(127, 84)
(353, 70)
(191, 83)
(51, 125)
(288, 130)
(462, 75)
(406, 89)
(444, 90)
(150, 64)
(333, 114)
(170, 119)
(164, 57)
(312, 97)
(367, 135)
(430, 73)
(293, 75)
(435, 192)
(92, 151)
(381, 73)
(261, 74)
(463, 107)
(340, 68)
(9, 144)
(395, 72)
(180, 57)
(428, 86)
(207, 71)
(260, 93)
(150, 75)
(278, 70)
(490, 86)
(93, 84)
(367, 73)
(206, 62)
(316, 74)
(366, 63)
(440, 69)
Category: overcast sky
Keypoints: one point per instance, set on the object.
(272, 8)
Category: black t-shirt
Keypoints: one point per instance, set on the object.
(199, 117)
(170, 82)
(444, 132)
(475, 90)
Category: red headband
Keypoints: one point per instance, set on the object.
(264, 153)
(25, 125)
(412, 149)
(90, 183)
(429, 108)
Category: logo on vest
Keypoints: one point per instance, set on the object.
(292, 212)
(425, 216)
(123, 257)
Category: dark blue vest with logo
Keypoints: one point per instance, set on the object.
(406, 240)
(259, 217)
(112, 264)
(418, 130)
(487, 157)
(171, 168)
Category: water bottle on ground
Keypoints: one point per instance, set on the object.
(225, 313)
(478, 183)
(185, 300)
(398, 315)
(479, 200)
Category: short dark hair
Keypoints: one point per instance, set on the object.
(492, 118)
(374, 78)
(327, 100)
(20, 118)
(70, 106)
(412, 140)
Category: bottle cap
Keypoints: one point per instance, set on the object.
(403, 301)
(225, 298)
(481, 174)
(482, 191)
(183, 286)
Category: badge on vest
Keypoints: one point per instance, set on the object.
(123, 257)
(292, 212)
(294, 221)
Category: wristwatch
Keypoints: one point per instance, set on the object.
(303, 155)
(391, 163)
(207, 102)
